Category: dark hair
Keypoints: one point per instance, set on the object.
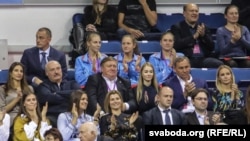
(24, 111)
(180, 59)
(196, 91)
(55, 133)
(107, 59)
(229, 7)
(24, 84)
(47, 30)
(75, 97)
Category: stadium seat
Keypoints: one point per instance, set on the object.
(111, 47)
(77, 18)
(3, 76)
(164, 21)
(209, 75)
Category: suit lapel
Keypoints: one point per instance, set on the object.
(158, 115)
(37, 58)
(194, 118)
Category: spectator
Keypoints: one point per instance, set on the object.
(201, 116)
(11, 92)
(194, 40)
(116, 124)
(244, 11)
(53, 134)
(146, 89)
(163, 113)
(228, 99)
(163, 60)
(35, 58)
(98, 85)
(89, 63)
(233, 39)
(138, 18)
(31, 123)
(56, 91)
(98, 17)
(247, 107)
(183, 84)
(4, 125)
(89, 132)
(69, 122)
(130, 61)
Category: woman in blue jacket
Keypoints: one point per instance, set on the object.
(130, 61)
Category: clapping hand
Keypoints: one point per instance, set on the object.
(138, 63)
(133, 118)
(44, 112)
(125, 65)
(97, 112)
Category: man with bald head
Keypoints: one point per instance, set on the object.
(56, 91)
(194, 39)
(163, 114)
(89, 132)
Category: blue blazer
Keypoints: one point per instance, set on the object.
(179, 99)
(154, 117)
(31, 61)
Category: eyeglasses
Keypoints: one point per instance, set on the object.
(200, 98)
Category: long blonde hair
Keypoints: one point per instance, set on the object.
(99, 13)
(218, 82)
(140, 82)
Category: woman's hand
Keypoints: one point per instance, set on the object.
(133, 118)
(97, 112)
(138, 63)
(44, 112)
(91, 27)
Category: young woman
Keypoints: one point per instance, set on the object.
(69, 122)
(129, 61)
(163, 60)
(89, 63)
(227, 96)
(11, 92)
(116, 124)
(31, 123)
(233, 39)
(146, 89)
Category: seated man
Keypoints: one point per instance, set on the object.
(98, 85)
(56, 91)
(35, 58)
(183, 84)
(201, 116)
(194, 40)
(138, 17)
(163, 113)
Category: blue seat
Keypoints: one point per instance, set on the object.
(164, 21)
(149, 47)
(3, 76)
(209, 75)
(111, 47)
(77, 18)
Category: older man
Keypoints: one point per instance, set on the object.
(98, 85)
(89, 132)
(56, 91)
(194, 40)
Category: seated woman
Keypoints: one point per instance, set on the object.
(129, 61)
(4, 125)
(146, 89)
(163, 60)
(68, 123)
(228, 96)
(30, 123)
(117, 124)
(233, 39)
(53, 134)
(89, 63)
(11, 92)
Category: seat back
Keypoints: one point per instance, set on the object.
(77, 18)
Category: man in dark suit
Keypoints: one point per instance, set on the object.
(183, 84)
(158, 115)
(194, 40)
(89, 132)
(56, 91)
(201, 116)
(98, 85)
(35, 58)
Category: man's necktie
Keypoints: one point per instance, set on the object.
(167, 118)
(43, 61)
